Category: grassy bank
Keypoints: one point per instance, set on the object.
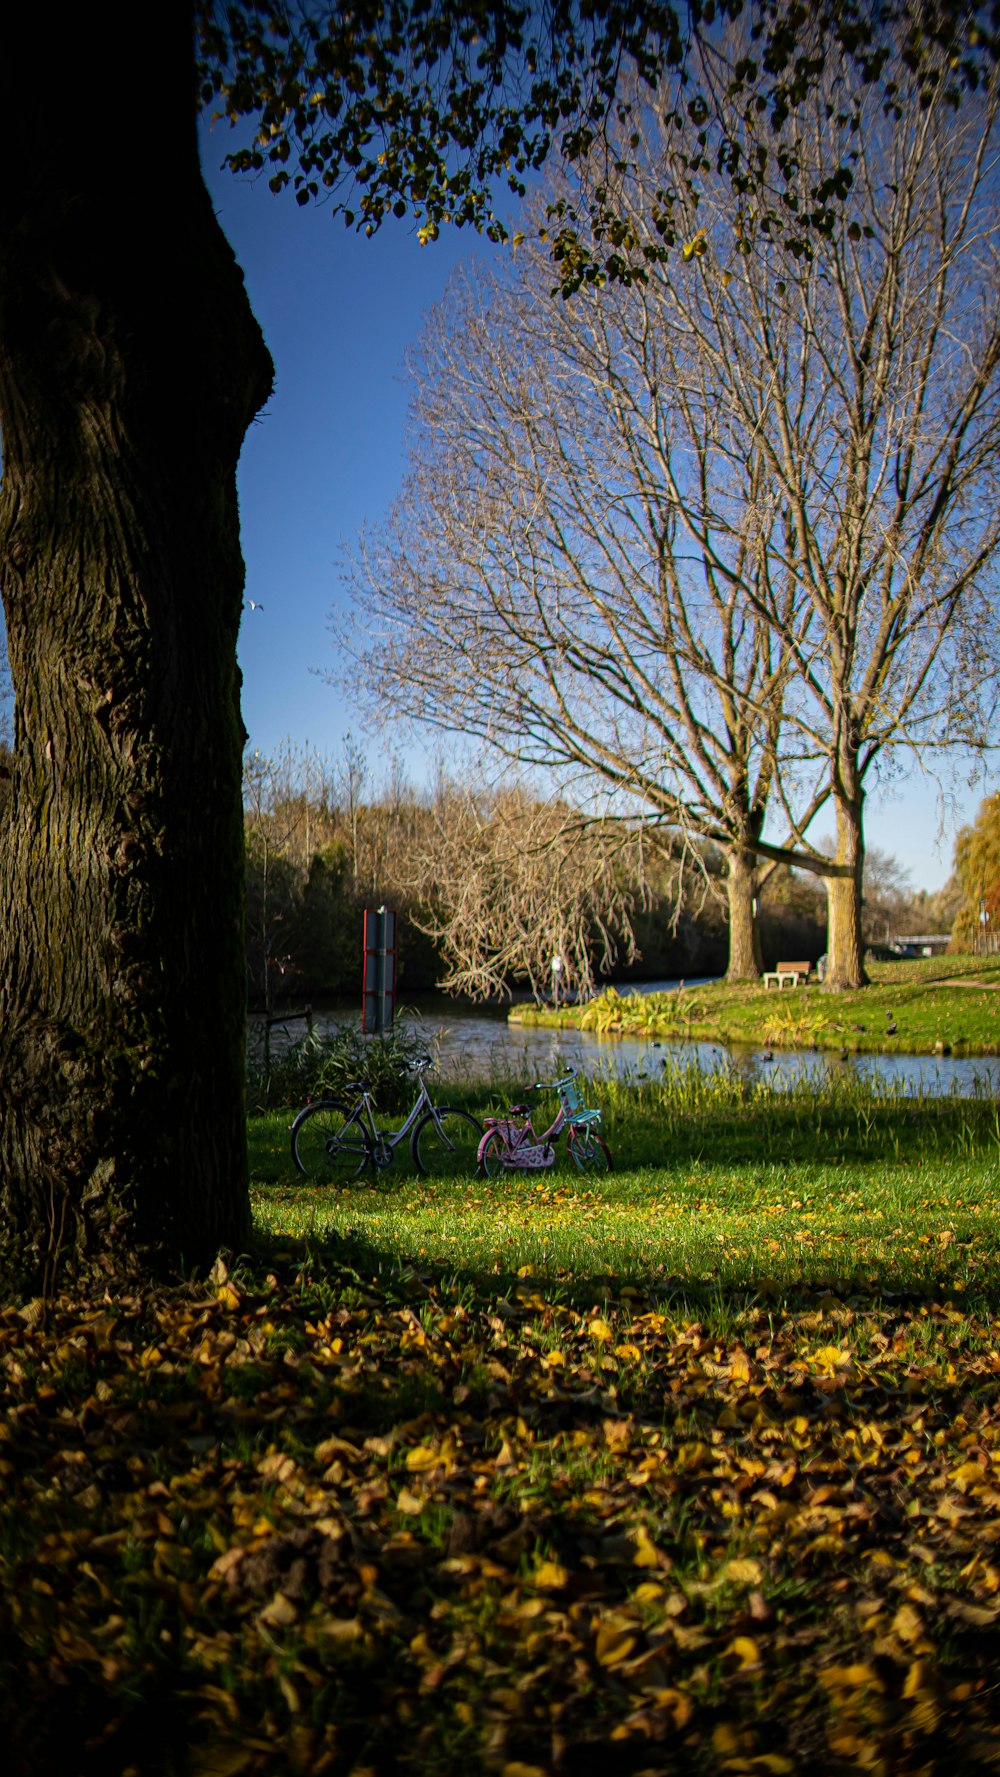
(716, 1179)
(690, 1468)
(943, 1005)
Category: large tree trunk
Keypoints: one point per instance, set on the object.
(130, 367)
(844, 945)
(745, 961)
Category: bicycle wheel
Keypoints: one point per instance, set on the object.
(330, 1142)
(446, 1143)
(492, 1160)
(589, 1150)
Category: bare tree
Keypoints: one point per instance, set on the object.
(869, 378)
(725, 540)
(505, 883)
(888, 896)
(276, 809)
(533, 588)
(348, 790)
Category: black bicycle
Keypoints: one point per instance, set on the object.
(335, 1138)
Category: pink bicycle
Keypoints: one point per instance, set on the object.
(511, 1143)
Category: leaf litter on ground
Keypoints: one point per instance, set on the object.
(305, 1519)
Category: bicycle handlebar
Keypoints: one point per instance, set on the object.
(554, 1085)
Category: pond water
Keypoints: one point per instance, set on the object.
(479, 1044)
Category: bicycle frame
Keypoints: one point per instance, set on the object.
(528, 1150)
(384, 1142)
(523, 1149)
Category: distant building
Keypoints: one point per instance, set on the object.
(922, 944)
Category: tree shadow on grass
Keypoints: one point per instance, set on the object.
(641, 1287)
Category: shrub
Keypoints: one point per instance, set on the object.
(325, 1061)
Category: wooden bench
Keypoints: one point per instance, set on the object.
(788, 975)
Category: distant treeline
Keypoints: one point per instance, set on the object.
(490, 884)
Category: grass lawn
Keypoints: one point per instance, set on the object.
(944, 1005)
(693, 1467)
(714, 1184)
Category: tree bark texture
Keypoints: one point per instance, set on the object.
(745, 960)
(130, 367)
(845, 949)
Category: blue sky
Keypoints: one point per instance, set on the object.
(338, 311)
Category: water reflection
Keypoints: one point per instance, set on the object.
(481, 1045)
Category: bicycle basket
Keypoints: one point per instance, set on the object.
(570, 1096)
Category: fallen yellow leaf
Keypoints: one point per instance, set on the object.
(915, 1680)
(613, 1644)
(524, 1611)
(745, 1650)
(280, 1613)
(679, 1704)
(276, 1466)
(908, 1623)
(551, 1575)
(745, 1572)
(421, 1458)
(848, 1678)
(226, 1563)
(727, 1740)
(325, 1452)
(965, 1475)
(925, 1715)
(340, 1630)
(427, 1456)
(740, 1366)
(647, 1593)
(831, 1357)
(646, 1552)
